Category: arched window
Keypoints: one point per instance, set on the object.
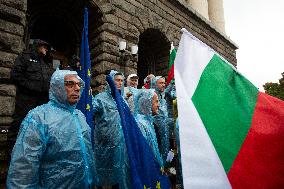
(153, 54)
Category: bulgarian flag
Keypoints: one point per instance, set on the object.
(231, 135)
(171, 75)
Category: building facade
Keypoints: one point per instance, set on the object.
(149, 24)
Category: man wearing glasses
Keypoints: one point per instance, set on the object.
(53, 148)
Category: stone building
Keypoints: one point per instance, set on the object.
(150, 24)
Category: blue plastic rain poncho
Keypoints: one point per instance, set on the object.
(178, 166)
(145, 121)
(53, 148)
(130, 99)
(170, 95)
(162, 121)
(111, 157)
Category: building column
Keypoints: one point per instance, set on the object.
(201, 6)
(216, 14)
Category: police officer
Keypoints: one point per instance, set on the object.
(31, 74)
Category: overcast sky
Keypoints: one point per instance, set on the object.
(257, 27)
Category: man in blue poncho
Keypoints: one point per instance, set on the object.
(162, 121)
(53, 147)
(112, 165)
(147, 104)
(159, 84)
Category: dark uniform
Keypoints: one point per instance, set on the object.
(31, 74)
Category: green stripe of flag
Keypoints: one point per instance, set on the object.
(172, 58)
(223, 101)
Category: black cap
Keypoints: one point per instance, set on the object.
(39, 42)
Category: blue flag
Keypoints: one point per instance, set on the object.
(85, 103)
(144, 169)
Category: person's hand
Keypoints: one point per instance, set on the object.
(128, 94)
(172, 171)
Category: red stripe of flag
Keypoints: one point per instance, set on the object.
(260, 161)
(171, 75)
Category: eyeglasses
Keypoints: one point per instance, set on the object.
(71, 84)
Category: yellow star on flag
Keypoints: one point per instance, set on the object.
(88, 107)
(89, 72)
(158, 186)
(146, 187)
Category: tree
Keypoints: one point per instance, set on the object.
(275, 89)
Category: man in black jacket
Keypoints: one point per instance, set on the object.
(31, 74)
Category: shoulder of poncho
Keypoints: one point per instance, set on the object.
(79, 112)
(36, 113)
(81, 116)
(102, 95)
(143, 118)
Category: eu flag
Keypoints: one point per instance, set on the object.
(145, 171)
(85, 103)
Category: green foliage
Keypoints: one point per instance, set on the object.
(275, 89)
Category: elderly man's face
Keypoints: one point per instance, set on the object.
(72, 87)
(118, 81)
(133, 82)
(155, 104)
(161, 84)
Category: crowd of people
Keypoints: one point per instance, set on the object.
(53, 147)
